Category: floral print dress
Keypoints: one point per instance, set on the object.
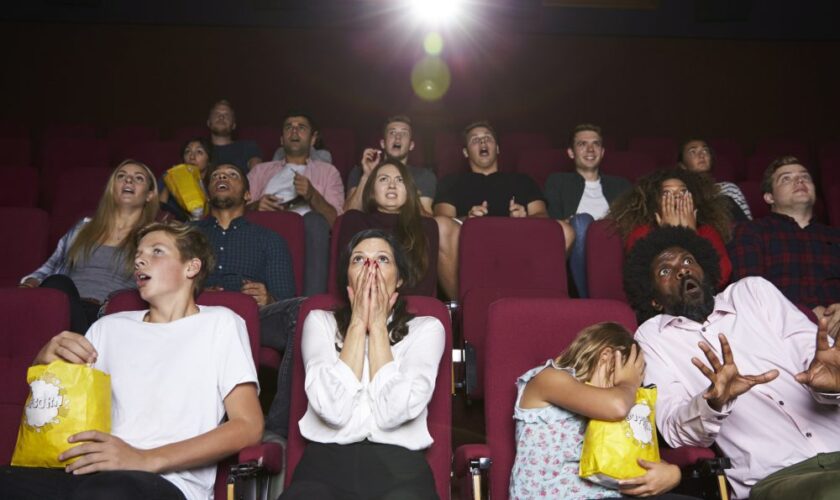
(549, 441)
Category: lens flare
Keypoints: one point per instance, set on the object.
(436, 11)
(433, 44)
(430, 78)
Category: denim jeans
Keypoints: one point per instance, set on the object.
(577, 260)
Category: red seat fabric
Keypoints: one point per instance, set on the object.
(335, 254)
(449, 158)
(756, 165)
(69, 131)
(509, 254)
(64, 153)
(628, 164)
(604, 262)
(79, 189)
(775, 147)
(523, 333)
(30, 318)
(833, 205)
(25, 191)
(755, 198)
(289, 225)
(267, 138)
(663, 150)
(121, 137)
(17, 151)
(439, 418)
(159, 156)
(24, 246)
(728, 168)
(541, 163)
(61, 222)
(183, 134)
(513, 144)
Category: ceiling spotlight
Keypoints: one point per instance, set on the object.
(436, 11)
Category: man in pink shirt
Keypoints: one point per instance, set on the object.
(310, 187)
(765, 379)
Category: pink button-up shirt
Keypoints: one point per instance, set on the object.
(324, 177)
(771, 426)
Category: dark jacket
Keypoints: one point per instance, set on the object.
(564, 190)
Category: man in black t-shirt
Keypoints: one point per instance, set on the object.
(484, 190)
(222, 123)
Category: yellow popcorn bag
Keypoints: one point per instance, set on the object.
(64, 399)
(184, 183)
(610, 449)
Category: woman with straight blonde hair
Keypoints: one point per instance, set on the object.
(94, 258)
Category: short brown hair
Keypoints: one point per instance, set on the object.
(191, 244)
(584, 127)
(480, 123)
(781, 161)
(397, 118)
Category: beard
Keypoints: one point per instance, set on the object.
(694, 309)
(222, 203)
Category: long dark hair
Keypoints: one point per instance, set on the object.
(640, 205)
(398, 324)
(409, 232)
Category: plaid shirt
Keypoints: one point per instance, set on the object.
(248, 251)
(804, 263)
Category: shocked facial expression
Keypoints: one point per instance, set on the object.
(195, 154)
(397, 142)
(792, 187)
(132, 186)
(298, 136)
(227, 188)
(159, 271)
(389, 189)
(482, 150)
(680, 287)
(374, 252)
(587, 151)
(697, 157)
(222, 121)
(676, 187)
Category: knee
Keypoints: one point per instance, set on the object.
(314, 221)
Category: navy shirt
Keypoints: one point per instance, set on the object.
(246, 251)
(237, 153)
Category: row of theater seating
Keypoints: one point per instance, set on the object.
(521, 333)
(533, 152)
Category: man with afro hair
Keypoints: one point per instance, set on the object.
(767, 390)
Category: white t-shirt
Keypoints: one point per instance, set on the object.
(169, 380)
(391, 408)
(593, 201)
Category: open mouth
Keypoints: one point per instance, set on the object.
(141, 278)
(128, 189)
(221, 186)
(691, 287)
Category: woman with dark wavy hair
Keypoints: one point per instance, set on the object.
(675, 197)
(370, 374)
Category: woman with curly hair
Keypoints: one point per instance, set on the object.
(675, 197)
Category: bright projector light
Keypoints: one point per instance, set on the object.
(435, 11)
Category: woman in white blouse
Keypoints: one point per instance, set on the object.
(370, 374)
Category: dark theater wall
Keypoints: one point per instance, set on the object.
(168, 75)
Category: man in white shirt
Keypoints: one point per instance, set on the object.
(767, 394)
(583, 196)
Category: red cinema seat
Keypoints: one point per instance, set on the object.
(25, 190)
(604, 262)
(17, 151)
(30, 318)
(755, 198)
(183, 134)
(265, 456)
(133, 133)
(539, 164)
(784, 146)
(79, 189)
(68, 131)
(159, 156)
(663, 150)
(62, 153)
(24, 237)
(628, 164)
(757, 163)
(499, 257)
(449, 158)
(513, 144)
(833, 205)
(439, 417)
(267, 138)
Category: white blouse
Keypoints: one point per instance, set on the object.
(391, 408)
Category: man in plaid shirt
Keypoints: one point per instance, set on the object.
(801, 257)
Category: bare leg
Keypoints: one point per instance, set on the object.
(449, 232)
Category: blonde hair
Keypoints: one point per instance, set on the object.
(104, 219)
(583, 353)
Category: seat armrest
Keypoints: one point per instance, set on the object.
(464, 454)
(269, 456)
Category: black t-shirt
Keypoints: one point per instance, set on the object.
(238, 153)
(465, 190)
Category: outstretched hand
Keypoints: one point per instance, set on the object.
(727, 382)
(823, 375)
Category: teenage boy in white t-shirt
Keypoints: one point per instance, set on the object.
(176, 370)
